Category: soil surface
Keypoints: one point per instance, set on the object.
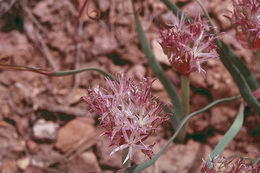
(44, 125)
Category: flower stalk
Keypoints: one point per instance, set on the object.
(185, 89)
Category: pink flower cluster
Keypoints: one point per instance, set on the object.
(235, 165)
(128, 113)
(188, 45)
(246, 18)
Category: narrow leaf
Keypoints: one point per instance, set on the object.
(250, 78)
(70, 72)
(238, 78)
(230, 134)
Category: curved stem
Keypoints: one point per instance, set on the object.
(70, 72)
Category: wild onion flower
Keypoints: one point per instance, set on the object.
(188, 45)
(235, 165)
(246, 19)
(128, 113)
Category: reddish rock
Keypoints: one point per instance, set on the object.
(73, 132)
(9, 167)
(32, 146)
(104, 44)
(23, 163)
(86, 162)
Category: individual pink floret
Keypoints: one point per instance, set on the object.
(128, 113)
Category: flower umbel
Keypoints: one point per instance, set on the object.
(188, 45)
(235, 165)
(128, 113)
(246, 18)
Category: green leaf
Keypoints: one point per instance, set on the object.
(249, 77)
(157, 69)
(148, 163)
(238, 78)
(230, 134)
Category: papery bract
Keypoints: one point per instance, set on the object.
(188, 45)
(128, 113)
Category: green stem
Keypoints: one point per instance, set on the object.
(70, 72)
(185, 89)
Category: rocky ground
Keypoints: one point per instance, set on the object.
(44, 125)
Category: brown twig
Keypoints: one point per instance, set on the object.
(53, 107)
(39, 37)
(26, 68)
(18, 110)
(6, 7)
(112, 17)
(46, 51)
(77, 65)
(28, 11)
(94, 15)
(76, 36)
